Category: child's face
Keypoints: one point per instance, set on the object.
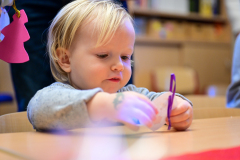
(108, 66)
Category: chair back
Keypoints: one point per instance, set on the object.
(211, 107)
(186, 79)
(15, 122)
(204, 101)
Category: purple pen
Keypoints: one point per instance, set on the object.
(171, 98)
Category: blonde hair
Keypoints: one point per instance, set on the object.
(106, 15)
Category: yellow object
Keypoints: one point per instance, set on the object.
(16, 10)
(154, 27)
(206, 8)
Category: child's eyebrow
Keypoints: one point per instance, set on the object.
(130, 50)
(102, 48)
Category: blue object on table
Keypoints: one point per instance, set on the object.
(6, 97)
(136, 121)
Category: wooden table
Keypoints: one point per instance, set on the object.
(111, 142)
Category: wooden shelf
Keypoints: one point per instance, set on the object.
(151, 40)
(189, 17)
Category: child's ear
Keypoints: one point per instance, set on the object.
(63, 59)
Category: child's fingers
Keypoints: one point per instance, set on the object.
(128, 122)
(143, 118)
(181, 122)
(181, 117)
(144, 107)
(152, 106)
(180, 108)
(146, 100)
(183, 125)
(130, 113)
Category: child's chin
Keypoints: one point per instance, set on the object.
(111, 90)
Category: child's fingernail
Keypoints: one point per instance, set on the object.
(149, 125)
(154, 118)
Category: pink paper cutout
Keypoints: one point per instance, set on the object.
(11, 47)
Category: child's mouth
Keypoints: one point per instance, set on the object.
(114, 79)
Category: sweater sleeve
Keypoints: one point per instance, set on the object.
(60, 107)
(146, 92)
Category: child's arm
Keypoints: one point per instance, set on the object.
(61, 107)
(122, 107)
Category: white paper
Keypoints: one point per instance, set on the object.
(161, 117)
(160, 120)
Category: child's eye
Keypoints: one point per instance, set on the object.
(102, 56)
(125, 58)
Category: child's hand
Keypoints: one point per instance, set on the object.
(181, 114)
(123, 107)
(131, 105)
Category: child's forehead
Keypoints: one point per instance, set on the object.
(88, 29)
(92, 29)
(101, 29)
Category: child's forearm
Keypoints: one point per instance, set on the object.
(101, 106)
(122, 107)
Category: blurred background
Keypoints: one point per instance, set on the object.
(192, 38)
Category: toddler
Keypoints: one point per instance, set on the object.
(90, 44)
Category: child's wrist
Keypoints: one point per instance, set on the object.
(99, 106)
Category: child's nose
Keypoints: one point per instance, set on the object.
(118, 65)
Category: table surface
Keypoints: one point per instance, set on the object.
(111, 142)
